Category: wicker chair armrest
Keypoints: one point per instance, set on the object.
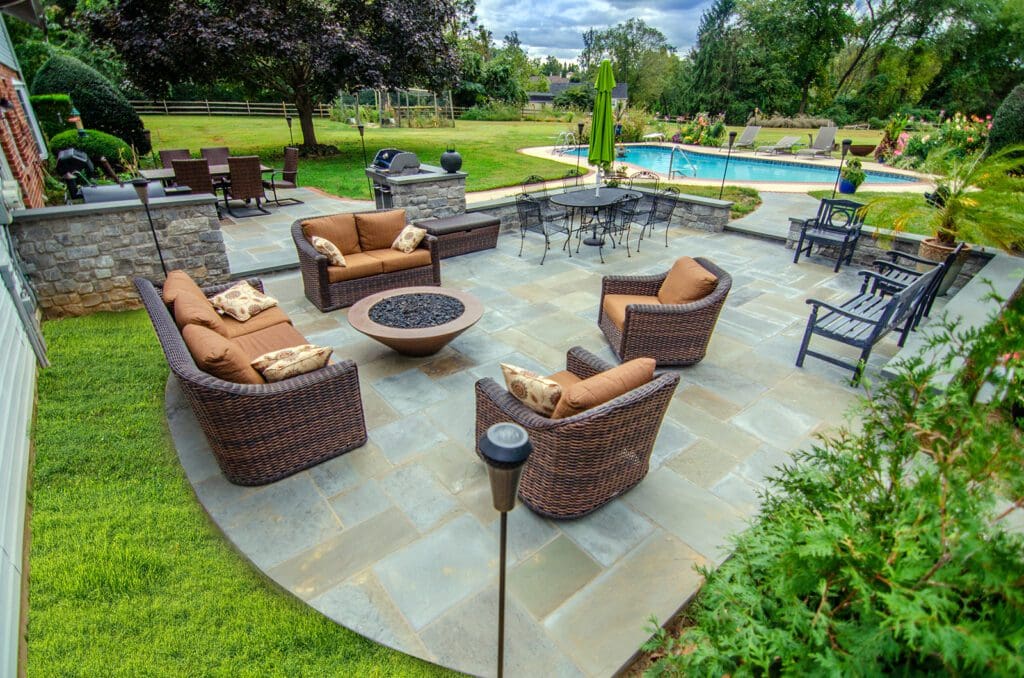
(584, 364)
(294, 386)
(306, 250)
(646, 285)
(512, 407)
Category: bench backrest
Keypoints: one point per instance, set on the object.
(838, 214)
(904, 303)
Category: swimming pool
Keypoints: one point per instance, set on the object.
(711, 165)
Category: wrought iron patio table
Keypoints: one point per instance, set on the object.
(584, 199)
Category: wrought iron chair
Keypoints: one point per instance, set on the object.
(662, 209)
(531, 218)
(645, 176)
(838, 224)
(620, 220)
(285, 178)
(244, 183)
(572, 179)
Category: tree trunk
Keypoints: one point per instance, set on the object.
(804, 93)
(304, 105)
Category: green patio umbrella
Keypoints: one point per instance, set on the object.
(602, 129)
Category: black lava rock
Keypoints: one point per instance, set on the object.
(415, 311)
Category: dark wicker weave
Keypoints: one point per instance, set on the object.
(169, 154)
(286, 177)
(260, 433)
(672, 334)
(582, 462)
(193, 173)
(328, 296)
(217, 155)
(245, 182)
(464, 242)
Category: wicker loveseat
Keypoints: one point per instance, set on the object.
(672, 334)
(583, 461)
(364, 239)
(260, 433)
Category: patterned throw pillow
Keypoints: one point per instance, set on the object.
(329, 250)
(291, 362)
(409, 239)
(242, 301)
(538, 393)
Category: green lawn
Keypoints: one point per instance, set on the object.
(128, 576)
(487, 148)
(882, 215)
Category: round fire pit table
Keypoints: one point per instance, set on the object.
(415, 321)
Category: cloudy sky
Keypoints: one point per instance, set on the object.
(556, 26)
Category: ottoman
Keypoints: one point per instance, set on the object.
(463, 233)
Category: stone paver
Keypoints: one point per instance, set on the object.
(398, 540)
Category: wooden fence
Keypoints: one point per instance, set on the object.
(276, 109)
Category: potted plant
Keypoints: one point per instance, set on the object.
(851, 176)
(977, 198)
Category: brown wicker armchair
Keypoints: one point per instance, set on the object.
(582, 462)
(672, 334)
(169, 154)
(330, 296)
(263, 432)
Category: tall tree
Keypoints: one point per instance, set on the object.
(306, 50)
(641, 57)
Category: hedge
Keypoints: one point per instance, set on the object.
(1008, 122)
(52, 111)
(96, 144)
(101, 105)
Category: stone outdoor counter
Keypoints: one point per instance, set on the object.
(81, 258)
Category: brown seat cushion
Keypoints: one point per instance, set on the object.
(219, 356)
(192, 310)
(338, 228)
(377, 230)
(601, 388)
(358, 265)
(393, 260)
(179, 282)
(273, 338)
(614, 306)
(565, 379)
(686, 281)
(272, 316)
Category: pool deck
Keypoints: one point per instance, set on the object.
(397, 540)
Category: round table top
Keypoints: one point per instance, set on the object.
(585, 197)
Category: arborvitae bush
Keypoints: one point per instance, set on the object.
(52, 111)
(96, 144)
(101, 105)
(888, 550)
(1008, 122)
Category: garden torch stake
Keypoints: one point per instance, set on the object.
(732, 140)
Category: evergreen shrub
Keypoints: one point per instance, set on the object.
(889, 549)
(101, 105)
(1008, 122)
(96, 144)
(52, 111)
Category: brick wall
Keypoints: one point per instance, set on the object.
(19, 144)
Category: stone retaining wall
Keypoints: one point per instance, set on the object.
(81, 258)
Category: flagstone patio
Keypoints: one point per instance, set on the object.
(398, 541)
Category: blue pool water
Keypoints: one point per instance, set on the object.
(711, 165)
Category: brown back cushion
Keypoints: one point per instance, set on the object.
(686, 281)
(603, 387)
(338, 228)
(219, 356)
(190, 310)
(179, 282)
(377, 230)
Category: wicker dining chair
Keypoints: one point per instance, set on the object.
(169, 154)
(245, 182)
(194, 173)
(582, 462)
(672, 334)
(217, 155)
(287, 177)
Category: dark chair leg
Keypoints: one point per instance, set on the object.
(522, 241)
(807, 338)
(799, 246)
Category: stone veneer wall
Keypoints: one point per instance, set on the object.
(81, 258)
(870, 247)
(430, 199)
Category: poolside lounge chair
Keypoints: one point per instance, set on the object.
(783, 145)
(822, 146)
(746, 138)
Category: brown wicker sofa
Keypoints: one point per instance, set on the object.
(672, 334)
(260, 433)
(364, 239)
(583, 461)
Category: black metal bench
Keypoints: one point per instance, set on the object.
(837, 224)
(463, 233)
(864, 319)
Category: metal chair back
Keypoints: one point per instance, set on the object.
(645, 176)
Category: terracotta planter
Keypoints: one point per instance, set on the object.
(862, 150)
(933, 250)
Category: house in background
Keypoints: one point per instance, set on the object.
(21, 185)
(557, 84)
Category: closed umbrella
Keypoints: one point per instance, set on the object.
(602, 130)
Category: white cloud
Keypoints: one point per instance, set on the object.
(556, 27)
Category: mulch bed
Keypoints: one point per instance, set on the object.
(416, 311)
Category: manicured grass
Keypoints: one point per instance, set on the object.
(882, 215)
(128, 576)
(487, 148)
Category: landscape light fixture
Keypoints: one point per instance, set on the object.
(291, 139)
(842, 159)
(504, 448)
(732, 140)
(362, 141)
(76, 119)
(141, 187)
